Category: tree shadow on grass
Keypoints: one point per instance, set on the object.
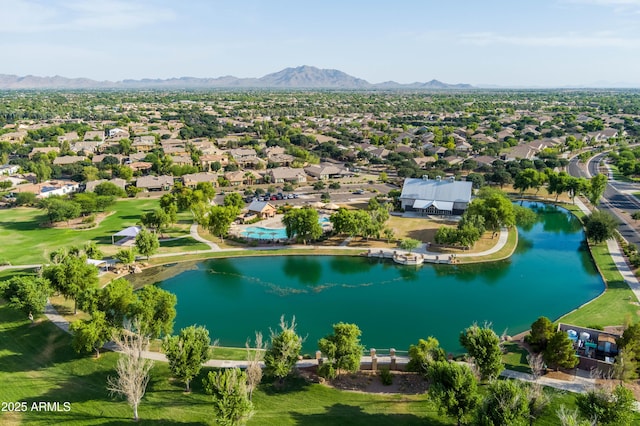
(342, 414)
(272, 386)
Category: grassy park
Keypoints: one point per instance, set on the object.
(38, 364)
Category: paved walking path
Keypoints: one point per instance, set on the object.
(617, 256)
(193, 231)
(580, 384)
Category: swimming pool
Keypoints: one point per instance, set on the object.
(261, 233)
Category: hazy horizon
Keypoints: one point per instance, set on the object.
(543, 44)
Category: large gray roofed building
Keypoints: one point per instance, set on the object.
(439, 196)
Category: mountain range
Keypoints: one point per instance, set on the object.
(303, 77)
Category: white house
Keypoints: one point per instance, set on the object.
(438, 197)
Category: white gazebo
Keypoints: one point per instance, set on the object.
(127, 233)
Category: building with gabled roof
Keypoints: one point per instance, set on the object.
(438, 197)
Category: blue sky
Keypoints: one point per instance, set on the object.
(497, 42)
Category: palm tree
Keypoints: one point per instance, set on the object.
(249, 178)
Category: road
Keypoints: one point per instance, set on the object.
(617, 199)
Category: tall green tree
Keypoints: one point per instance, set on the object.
(72, 277)
(116, 300)
(541, 331)
(425, 353)
(599, 226)
(90, 335)
(506, 403)
(234, 200)
(147, 243)
(559, 352)
(219, 220)
(607, 407)
(155, 310)
(231, 403)
(343, 348)
(483, 344)
(453, 388)
(26, 293)
(187, 352)
(303, 224)
(283, 351)
(597, 185)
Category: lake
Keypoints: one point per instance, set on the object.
(550, 274)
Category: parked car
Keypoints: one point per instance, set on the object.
(358, 191)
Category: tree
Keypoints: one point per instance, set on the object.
(109, 189)
(528, 178)
(132, 369)
(92, 251)
(425, 353)
(559, 352)
(26, 293)
(303, 224)
(156, 219)
(283, 351)
(483, 344)
(607, 407)
(116, 300)
(90, 335)
(147, 243)
(254, 356)
(506, 403)
(541, 331)
(596, 187)
(343, 348)
(72, 277)
(234, 200)
(126, 256)
(231, 402)
(383, 177)
(572, 418)
(59, 210)
(495, 207)
(599, 226)
(155, 309)
(187, 352)
(453, 388)
(25, 199)
(409, 244)
(220, 218)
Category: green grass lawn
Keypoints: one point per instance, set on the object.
(27, 241)
(38, 364)
(515, 358)
(615, 306)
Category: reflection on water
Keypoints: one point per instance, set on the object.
(393, 305)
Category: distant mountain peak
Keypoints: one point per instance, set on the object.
(301, 77)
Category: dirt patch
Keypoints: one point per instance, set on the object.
(560, 375)
(369, 382)
(80, 223)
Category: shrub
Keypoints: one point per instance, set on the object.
(89, 219)
(327, 371)
(386, 377)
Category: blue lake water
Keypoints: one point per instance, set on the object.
(550, 274)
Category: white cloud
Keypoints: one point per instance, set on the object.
(600, 39)
(31, 16)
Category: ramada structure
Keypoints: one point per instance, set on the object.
(435, 197)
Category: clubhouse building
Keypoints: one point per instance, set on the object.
(435, 197)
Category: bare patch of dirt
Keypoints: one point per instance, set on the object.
(560, 375)
(369, 382)
(78, 223)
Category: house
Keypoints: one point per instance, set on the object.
(262, 209)
(191, 180)
(143, 143)
(100, 157)
(235, 178)
(69, 137)
(155, 183)
(326, 171)
(14, 137)
(595, 349)
(44, 150)
(9, 169)
(287, 174)
(140, 166)
(49, 188)
(88, 147)
(422, 162)
(181, 160)
(91, 185)
(207, 160)
(441, 197)
(68, 159)
(118, 133)
(94, 135)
